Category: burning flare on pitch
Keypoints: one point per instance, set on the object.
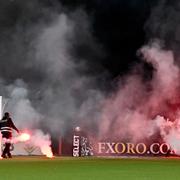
(38, 139)
(47, 151)
(43, 141)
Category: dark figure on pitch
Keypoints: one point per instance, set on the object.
(6, 126)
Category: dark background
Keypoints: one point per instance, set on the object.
(119, 26)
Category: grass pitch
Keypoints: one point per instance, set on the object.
(65, 168)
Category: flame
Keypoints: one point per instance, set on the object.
(46, 150)
(37, 139)
(23, 137)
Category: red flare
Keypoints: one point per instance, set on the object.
(23, 137)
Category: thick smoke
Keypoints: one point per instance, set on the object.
(170, 132)
(129, 113)
(47, 80)
(133, 112)
(164, 24)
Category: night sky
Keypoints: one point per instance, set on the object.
(120, 27)
(117, 25)
(87, 63)
(90, 62)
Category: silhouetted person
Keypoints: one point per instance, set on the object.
(6, 127)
